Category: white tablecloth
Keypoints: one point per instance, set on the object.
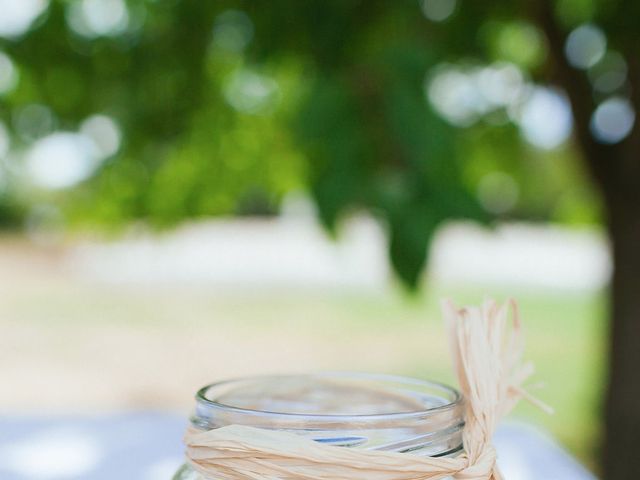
(147, 446)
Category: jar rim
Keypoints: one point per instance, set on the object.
(451, 399)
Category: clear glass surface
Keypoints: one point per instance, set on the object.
(349, 410)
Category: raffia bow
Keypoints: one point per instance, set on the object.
(487, 346)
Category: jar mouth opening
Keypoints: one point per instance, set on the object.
(423, 398)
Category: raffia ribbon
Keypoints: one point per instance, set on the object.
(487, 346)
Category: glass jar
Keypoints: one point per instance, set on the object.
(353, 410)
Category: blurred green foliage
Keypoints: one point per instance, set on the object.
(227, 106)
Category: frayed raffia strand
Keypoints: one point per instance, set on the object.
(486, 345)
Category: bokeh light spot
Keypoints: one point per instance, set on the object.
(17, 16)
(5, 140)
(463, 95)
(438, 10)
(498, 192)
(232, 31)
(613, 120)
(33, 121)
(610, 73)
(61, 160)
(454, 96)
(104, 133)
(585, 46)
(501, 84)
(521, 43)
(545, 118)
(8, 74)
(250, 92)
(94, 18)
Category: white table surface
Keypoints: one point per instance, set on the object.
(147, 446)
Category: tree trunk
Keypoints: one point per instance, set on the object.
(622, 411)
(615, 171)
